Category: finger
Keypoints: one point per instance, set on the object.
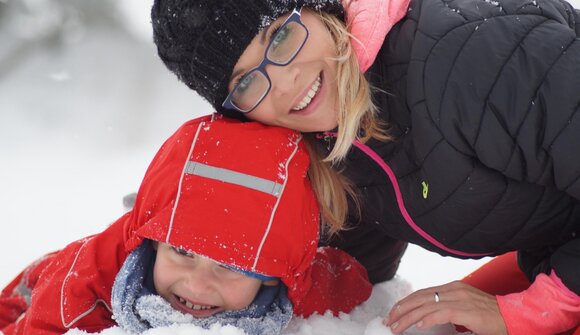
(458, 313)
(469, 307)
(413, 301)
(419, 315)
(479, 321)
(427, 294)
(449, 292)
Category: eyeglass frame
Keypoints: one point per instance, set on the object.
(294, 17)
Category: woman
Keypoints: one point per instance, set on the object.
(469, 152)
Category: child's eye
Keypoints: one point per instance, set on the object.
(225, 267)
(229, 271)
(183, 252)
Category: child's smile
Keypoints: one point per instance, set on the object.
(199, 286)
(199, 310)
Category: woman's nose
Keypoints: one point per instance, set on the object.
(283, 78)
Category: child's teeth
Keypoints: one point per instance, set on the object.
(192, 306)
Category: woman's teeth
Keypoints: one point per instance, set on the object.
(192, 306)
(309, 96)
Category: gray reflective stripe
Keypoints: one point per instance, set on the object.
(233, 177)
(201, 124)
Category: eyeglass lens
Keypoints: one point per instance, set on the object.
(283, 47)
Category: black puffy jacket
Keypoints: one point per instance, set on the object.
(483, 98)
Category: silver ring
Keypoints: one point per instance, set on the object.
(437, 299)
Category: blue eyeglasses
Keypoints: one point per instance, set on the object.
(281, 51)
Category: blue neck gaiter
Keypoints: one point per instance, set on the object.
(137, 307)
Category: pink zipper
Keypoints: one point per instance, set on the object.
(374, 156)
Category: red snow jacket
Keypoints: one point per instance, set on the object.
(250, 206)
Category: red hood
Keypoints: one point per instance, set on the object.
(235, 192)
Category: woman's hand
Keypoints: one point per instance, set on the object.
(456, 302)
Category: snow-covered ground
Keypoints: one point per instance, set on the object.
(84, 106)
(366, 319)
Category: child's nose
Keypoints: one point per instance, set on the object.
(202, 276)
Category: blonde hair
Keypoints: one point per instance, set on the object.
(332, 189)
(356, 112)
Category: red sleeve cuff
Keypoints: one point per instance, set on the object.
(339, 284)
(546, 307)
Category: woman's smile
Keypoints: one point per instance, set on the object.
(313, 98)
(309, 95)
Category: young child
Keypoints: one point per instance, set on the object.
(224, 229)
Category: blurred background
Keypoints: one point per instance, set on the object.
(84, 105)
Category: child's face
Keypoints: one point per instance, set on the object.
(199, 286)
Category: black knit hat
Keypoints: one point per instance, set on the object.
(201, 40)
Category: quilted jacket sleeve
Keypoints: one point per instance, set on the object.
(499, 81)
(518, 112)
(511, 94)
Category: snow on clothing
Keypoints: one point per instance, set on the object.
(136, 308)
(225, 28)
(482, 98)
(257, 213)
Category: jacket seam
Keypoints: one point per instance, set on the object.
(562, 130)
(181, 177)
(531, 214)
(457, 54)
(401, 205)
(566, 126)
(451, 193)
(425, 61)
(499, 75)
(437, 41)
(575, 180)
(542, 82)
(92, 308)
(567, 187)
(275, 208)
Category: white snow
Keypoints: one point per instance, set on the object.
(80, 119)
(364, 320)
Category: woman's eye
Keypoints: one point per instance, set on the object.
(280, 35)
(245, 83)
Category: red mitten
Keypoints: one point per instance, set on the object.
(339, 284)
